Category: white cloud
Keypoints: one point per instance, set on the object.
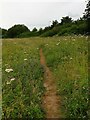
(42, 0)
(38, 14)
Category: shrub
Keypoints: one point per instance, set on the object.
(16, 30)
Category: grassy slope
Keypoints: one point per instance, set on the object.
(67, 59)
(22, 98)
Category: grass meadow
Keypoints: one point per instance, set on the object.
(22, 75)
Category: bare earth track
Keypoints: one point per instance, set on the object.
(51, 101)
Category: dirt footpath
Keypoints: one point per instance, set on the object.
(51, 101)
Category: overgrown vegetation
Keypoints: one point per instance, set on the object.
(66, 55)
(68, 59)
(22, 81)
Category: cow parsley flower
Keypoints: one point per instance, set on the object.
(71, 58)
(9, 70)
(12, 79)
(58, 43)
(8, 82)
(25, 52)
(25, 59)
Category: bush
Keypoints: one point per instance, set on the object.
(4, 33)
(16, 30)
(50, 33)
(28, 34)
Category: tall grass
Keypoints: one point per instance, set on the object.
(68, 59)
(22, 96)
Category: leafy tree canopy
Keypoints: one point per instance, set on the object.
(66, 19)
(16, 30)
(54, 23)
(34, 29)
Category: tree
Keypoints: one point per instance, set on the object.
(47, 29)
(66, 19)
(16, 30)
(0, 33)
(87, 11)
(40, 31)
(34, 29)
(86, 17)
(54, 23)
(4, 33)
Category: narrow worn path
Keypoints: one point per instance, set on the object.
(51, 101)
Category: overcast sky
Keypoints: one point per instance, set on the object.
(38, 14)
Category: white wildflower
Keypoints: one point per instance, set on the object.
(37, 48)
(32, 103)
(8, 83)
(25, 59)
(9, 70)
(25, 52)
(70, 58)
(86, 37)
(12, 79)
(87, 99)
(65, 57)
(58, 43)
(6, 64)
(46, 45)
(82, 36)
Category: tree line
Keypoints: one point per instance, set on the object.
(67, 26)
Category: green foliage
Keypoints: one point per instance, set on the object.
(28, 34)
(87, 11)
(66, 20)
(51, 32)
(86, 17)
(4, 33)
(34, 30)
(68, 59)
(77, 27)
(0, 33)
(21, 96)
(16, 30)
(40, 31)
(66, 27)
(24, 35)
(32, 33)
(54, 23)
